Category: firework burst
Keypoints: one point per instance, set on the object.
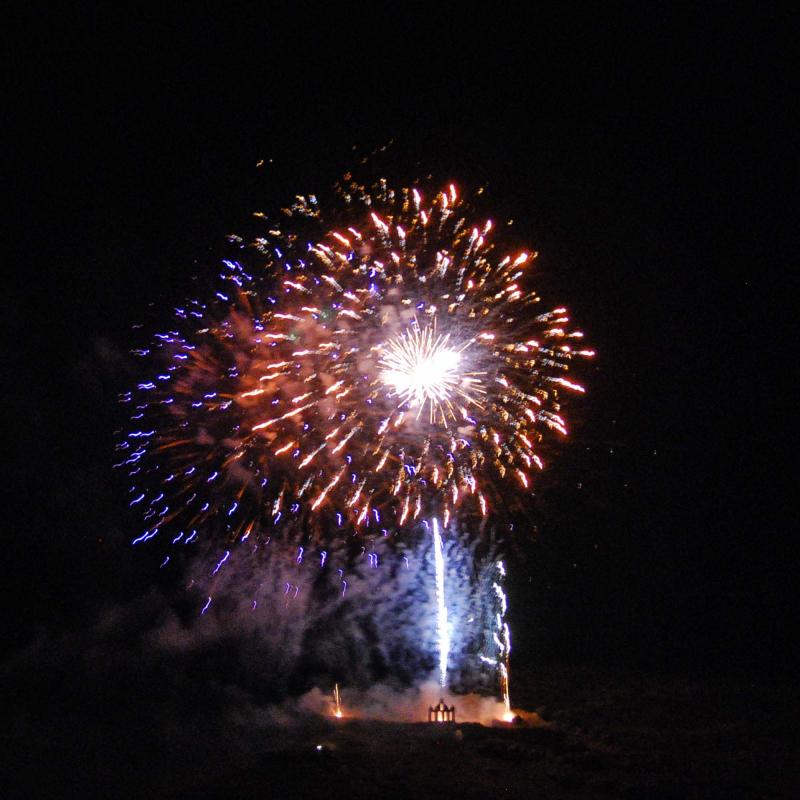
(423, 368)
(354, 370)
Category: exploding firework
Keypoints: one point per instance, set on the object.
(356, 368)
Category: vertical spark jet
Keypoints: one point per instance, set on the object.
(442, 626)
(503, 640)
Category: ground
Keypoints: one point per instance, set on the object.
(600, 735)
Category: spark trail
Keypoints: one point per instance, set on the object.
(502, 638)
(442, 627)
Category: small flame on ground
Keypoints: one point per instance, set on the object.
(337, 702)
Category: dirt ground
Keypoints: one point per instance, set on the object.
(599, 736)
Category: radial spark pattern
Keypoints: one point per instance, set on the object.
(356, 369)
(423, 369)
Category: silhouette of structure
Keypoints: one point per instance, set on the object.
(441, 712)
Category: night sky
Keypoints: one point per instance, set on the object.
(646, 156)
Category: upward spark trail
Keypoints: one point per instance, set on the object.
(442, 626)
(503, 640)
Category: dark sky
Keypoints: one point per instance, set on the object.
(646, 156)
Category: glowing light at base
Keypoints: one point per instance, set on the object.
(442, 629)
